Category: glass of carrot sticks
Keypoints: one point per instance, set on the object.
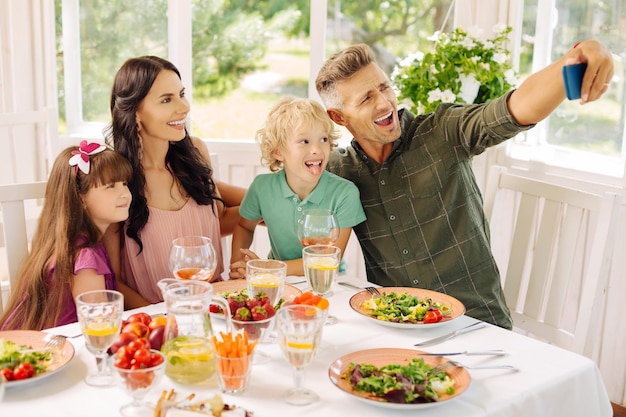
(233, 354)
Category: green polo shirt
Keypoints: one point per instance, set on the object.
(425, 223)
(270, 198)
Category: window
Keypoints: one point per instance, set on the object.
(585, 138)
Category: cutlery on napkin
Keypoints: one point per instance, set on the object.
(495, 352)
(471, 327)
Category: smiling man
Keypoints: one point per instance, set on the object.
(425, 224)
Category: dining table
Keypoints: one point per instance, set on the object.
(550, 381)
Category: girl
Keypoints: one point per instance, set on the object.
(173, 188)
(86, 192)
(295, 144)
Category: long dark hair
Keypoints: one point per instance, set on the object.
(63, 229)
(131, 85)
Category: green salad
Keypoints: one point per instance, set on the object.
(406, 384)
(12, 354)
(403, 308)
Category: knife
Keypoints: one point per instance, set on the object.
(495, 352)
(471, 327)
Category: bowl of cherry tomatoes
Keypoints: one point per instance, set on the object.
(137, 369)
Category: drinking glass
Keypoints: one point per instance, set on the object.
(300, 331)
(267, 277)
(193, 257)
(318, 227)
(100, 317)
(321, 263)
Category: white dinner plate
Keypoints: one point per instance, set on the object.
(457, 308)
(386, 356)
(37, 340)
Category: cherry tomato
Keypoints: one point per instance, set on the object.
(122, 362)
(433, 316)
(143, 357)
(156, 359)
(139, 343)
(7, 373)
(23, 371)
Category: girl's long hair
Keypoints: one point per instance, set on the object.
(131, 85)
(36, 302)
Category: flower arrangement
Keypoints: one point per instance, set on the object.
(460, 69)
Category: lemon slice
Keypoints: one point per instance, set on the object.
(101, 329)
(324, 264)
(300, 345)
(265, 281)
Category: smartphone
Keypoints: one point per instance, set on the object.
(573, 79)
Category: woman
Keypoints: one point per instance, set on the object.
(174, 193)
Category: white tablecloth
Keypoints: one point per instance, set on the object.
(551, 381)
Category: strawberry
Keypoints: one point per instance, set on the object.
(243, 314)
(271, 311)
(253, 302)
(214, 308)
(259, 313)
(235, 301)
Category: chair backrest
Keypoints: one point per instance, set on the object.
(561, 245)
(18, 219)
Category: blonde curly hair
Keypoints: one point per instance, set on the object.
(287, 115)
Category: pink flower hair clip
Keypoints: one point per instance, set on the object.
(81, 157)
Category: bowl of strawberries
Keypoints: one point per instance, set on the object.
(255, 315)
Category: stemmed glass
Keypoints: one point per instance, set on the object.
(300, 331)
(264, 277)
(321, 264)
(193, 257)
(100, 317)
(318, 227)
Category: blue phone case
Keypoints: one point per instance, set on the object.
(573, 79)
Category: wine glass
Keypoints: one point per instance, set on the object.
(193, 257)
(318, 227)
(300, 331)
(321, 264)
(100, 317)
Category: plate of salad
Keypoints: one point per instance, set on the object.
(18, 351)
(397, 378)
(407, 308)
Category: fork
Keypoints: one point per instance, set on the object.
(54, 344)
(442, 367)
(374, 291)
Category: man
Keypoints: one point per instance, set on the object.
(425, 224)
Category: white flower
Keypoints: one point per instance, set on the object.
(421, 109)
(469, 87)
(499, 28)
(510, 77)
(468, 43)
(434, 95)
(500, 57)
(435, 36)
(447, 96)
(407, 103)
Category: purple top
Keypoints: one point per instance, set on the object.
(88, 258)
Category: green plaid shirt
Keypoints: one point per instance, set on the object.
(425, 224)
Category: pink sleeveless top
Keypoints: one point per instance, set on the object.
(142, 272)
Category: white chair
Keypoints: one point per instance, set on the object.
(18, 223)
(561, 244)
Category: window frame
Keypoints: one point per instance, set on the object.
(533, 151)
